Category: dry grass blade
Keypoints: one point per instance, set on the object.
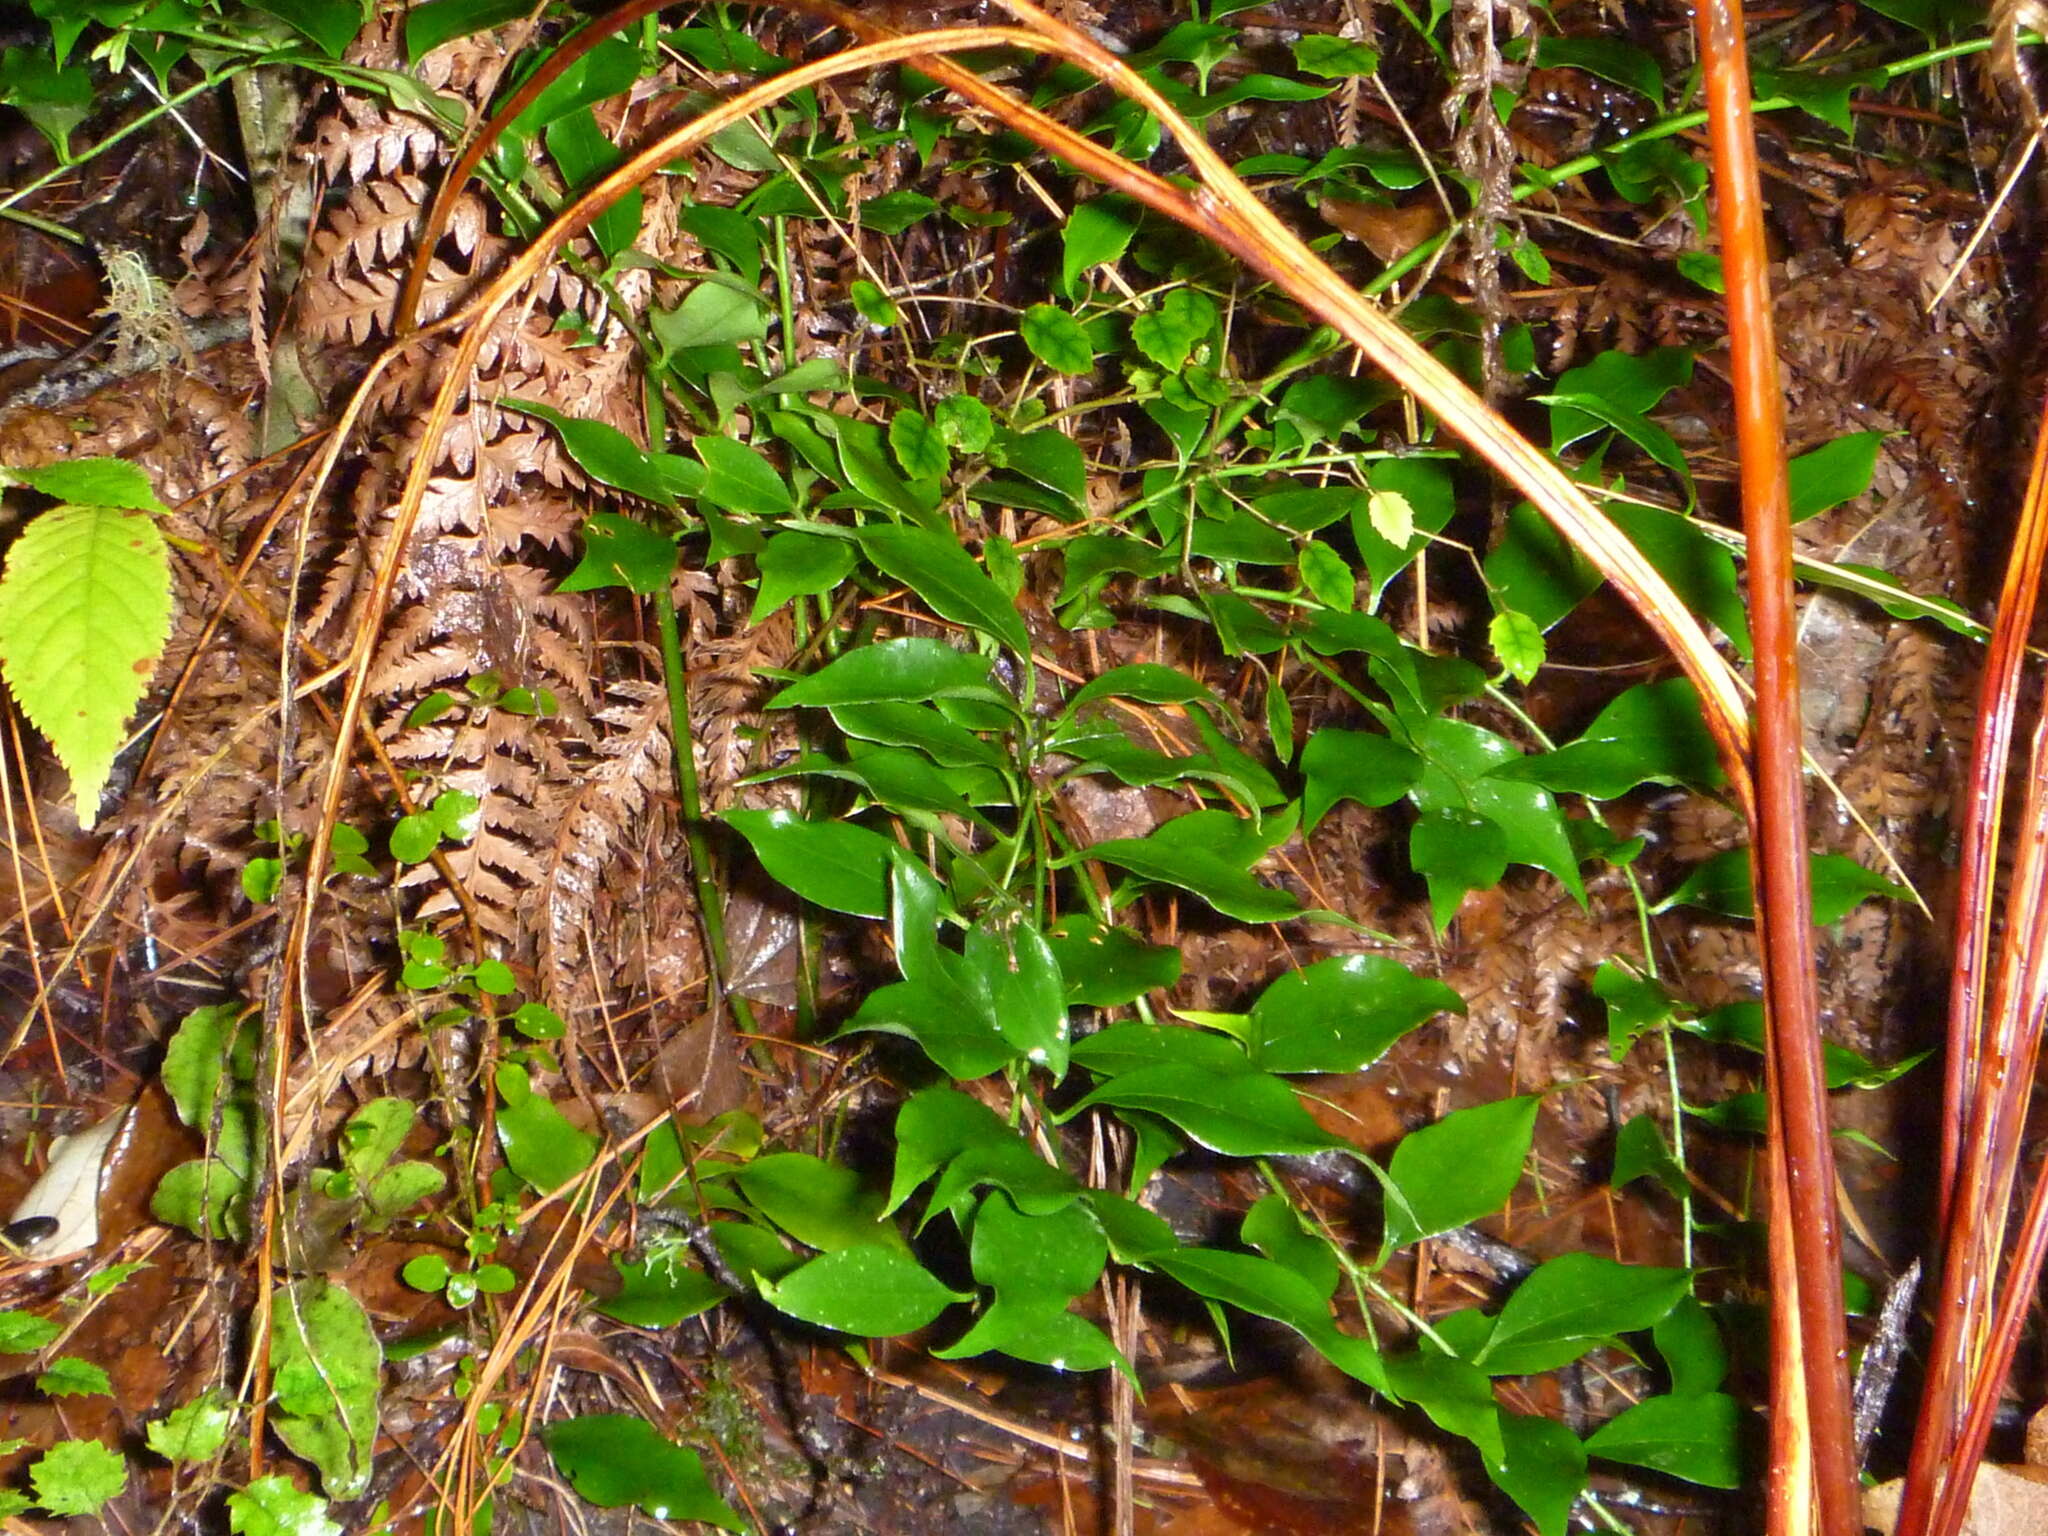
(1994, 1042)
(1228, 212)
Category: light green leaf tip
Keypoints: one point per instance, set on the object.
(85, 609)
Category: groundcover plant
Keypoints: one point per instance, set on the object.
(1145, 767)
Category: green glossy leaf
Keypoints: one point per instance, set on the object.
(1517, 642)
(1635, 1005)
(873, 1292)
(1456, 1395)
(1542, 1468)
(1459, 778)
(583, 153)
(1047, 458)
(611, 458)
(1621, 385)
(1364, 766)
(1136, 1235)
(820, 1204)
(619, 551)
(1050, 1257)
(874, 304)
(1249, 1283)
(85, 609)
(326, 1368)
(894, 212)
(711, 315)
(540, 1145)
(1015, 969)
(1204, 857)
(660, 1292)
(1743, 1024)
(1874, 585)
(77, 1477)
(1640, 1151)
(1342, 1014)
(1932, 17)
(1057, 339)
(1696, 1438)
(1690, 1344)
(192, 1431)
(1656, 444)
(198, 1055)
(1170, 334)
(1703, 268)
(1270, 1290)
(1457, 852)
(430, 25)
(753, 1251)
(425, 1272)
(1700, 570)
(1423, 490)
(963, 422)
(23, 1333)
(894, 723)
(1275, 1229)
(1127, 1047)
(1108, 967)
(949, 580)
(1461, 1168)
(728, 234)
(373, 1135)
(1242, 1113)
(739, 480)
(1333, 58)
(1653, 733)
(1832, 474)
(261, 878)
(613, 1460)
(1608, 57)
(1572, 1303)
(943, 1129)
(1534, 570)
(1328, 579)
(92, 482)
(1040, 1330)
(53, 97)
(902, 780)
(69, 1376)
(834, 863)
(1722, 884)
(893, 670)
(919, 446)
(942, 1012)
(276, 1506)
(206, 1196)
(1097, 231)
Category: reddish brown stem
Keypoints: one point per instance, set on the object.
(1993, 1046)
(1778, 844)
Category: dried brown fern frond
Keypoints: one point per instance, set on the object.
(603, 808)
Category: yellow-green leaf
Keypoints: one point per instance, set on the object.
(1392, 516)
(1517, 642)
(85, 609)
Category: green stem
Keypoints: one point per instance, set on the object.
(168, 105)
(1678, 1140)
(1322, 341)
(784, 292)
(1543, 181)
(710, 909)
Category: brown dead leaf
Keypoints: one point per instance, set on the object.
(2006, 1501)
(1387, 231)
